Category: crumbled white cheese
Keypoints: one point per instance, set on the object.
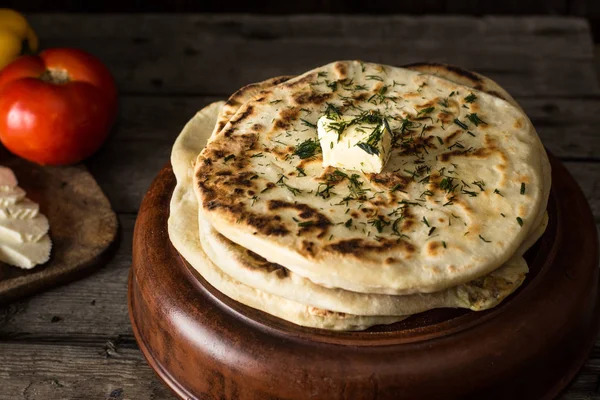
(23, 230)
(24, 209)
(352, 145)
(26, 255)
(10, 195)
(24, 239)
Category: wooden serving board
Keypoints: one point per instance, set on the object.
(205, 345)
(83, 226)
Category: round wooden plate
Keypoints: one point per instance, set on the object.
(207, 346)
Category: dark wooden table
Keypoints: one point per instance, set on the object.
(75, 342)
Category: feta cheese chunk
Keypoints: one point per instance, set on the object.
(24, 239)
(354, 143)
(23, 230)
(26, 255)
(10, 195)
(24, 209)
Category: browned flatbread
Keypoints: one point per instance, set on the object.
(316, 247)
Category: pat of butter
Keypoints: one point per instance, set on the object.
(361, 146)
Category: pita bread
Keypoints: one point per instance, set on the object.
(503, 155)
(255, 272)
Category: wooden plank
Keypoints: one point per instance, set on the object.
(585, 8)
(473, 7)
(584, 387)
(159, 6)
(217, 55)
(507, 7)
(587, 176)
(569, 128)
(37, 372)
(144, 27)
(148, 126)
(41, 372)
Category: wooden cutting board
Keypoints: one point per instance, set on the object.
(83, 226)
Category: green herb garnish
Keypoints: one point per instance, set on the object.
(379, 223)
(332, 85)
(470, 193)
(425, 111)
(397, 188)
(520, 221)
(369, 149)
(292, 189)
(374, 138)
(306, 223)
(300, 171)
(307, 149)
(522, 187)
(480, 185)
(459, 123)
(332, 111)
(395, 227)
(446, 184)
(474, 118)
(307, 123)
(324, 190)
(484, 239)
(355, 188)
(470, 98)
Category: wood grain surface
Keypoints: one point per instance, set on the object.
(75, 342)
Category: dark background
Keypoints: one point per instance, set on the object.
(587, 8)
(581, 8)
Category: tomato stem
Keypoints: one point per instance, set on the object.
(55, 76)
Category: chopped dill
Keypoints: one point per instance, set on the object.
(307, 149)
(307, 123)
(470, 98)
(484, 239)
(461, 124)
(474, 118)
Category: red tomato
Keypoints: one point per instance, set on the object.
(56, 108)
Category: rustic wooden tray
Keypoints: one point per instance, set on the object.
(83, 226)
(205, 345)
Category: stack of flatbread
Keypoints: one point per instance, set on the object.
(445, 224)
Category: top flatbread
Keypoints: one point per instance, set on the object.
(253, 270)
(390, 246)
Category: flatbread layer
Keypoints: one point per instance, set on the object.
(455, 201)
